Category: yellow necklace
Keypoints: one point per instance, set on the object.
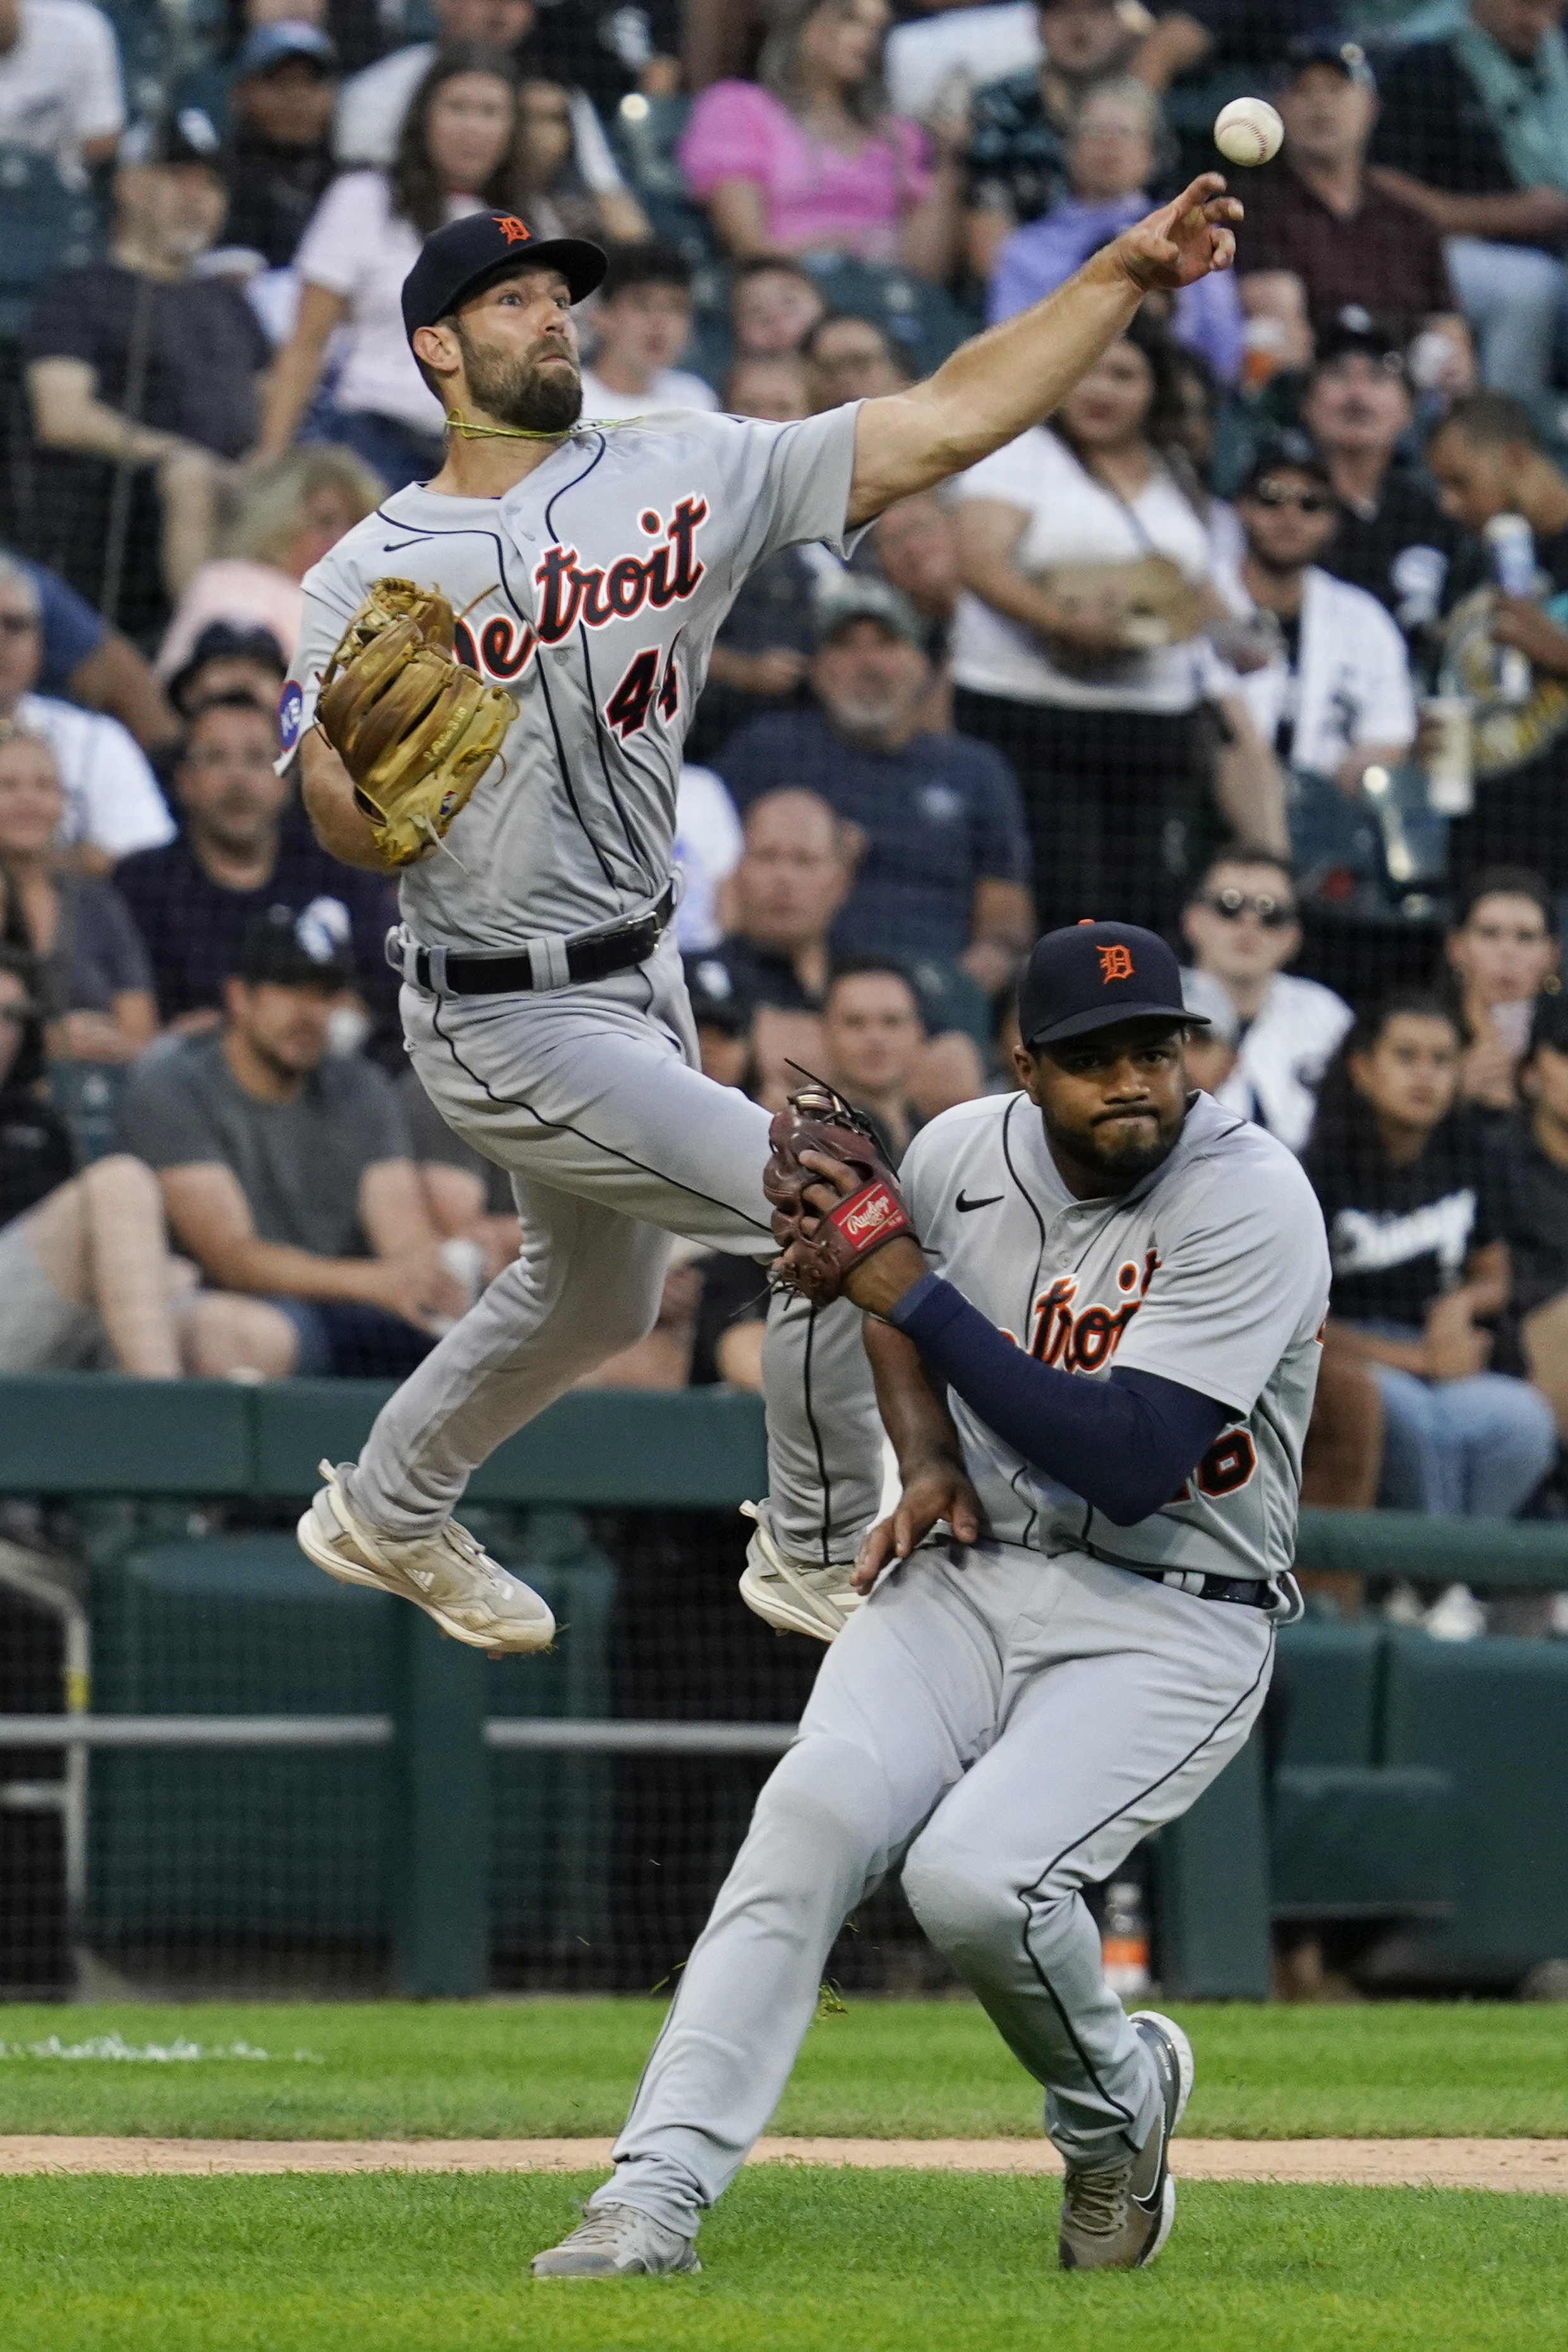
(460, 424)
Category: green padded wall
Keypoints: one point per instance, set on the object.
(1211, 1883)
(552, 1816)
(1494, 1713)
(1327, 1676)
(314, 1847)
(187, 1844)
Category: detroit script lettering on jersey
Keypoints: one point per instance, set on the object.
(569, 593)
(592, 591)
(1081, 1339)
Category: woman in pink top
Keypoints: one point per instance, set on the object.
(808, 159)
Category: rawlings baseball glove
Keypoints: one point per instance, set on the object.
(414, 728)
(820, 1248)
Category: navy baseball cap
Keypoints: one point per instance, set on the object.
(293, 42)
(1325, 48)
(313, 948)
(1092, 974)
(462, 258)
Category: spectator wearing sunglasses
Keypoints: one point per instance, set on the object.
(1334, 696)
(1242, 926)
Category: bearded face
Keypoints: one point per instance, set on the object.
(537, 391)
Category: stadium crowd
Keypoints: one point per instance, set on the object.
(1262, 641)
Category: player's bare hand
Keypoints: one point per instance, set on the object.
(938, 1491)
(1183, 241)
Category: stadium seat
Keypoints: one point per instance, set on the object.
(1346, 1842)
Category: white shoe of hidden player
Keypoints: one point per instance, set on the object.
(790, 1594)
(448, 1575)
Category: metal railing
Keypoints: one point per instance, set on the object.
(581, 1734)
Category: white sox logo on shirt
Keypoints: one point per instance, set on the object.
(570, 596)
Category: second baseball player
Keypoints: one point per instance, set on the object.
(1098, 1375)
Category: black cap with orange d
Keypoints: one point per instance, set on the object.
(461, 259)
(1092, 974)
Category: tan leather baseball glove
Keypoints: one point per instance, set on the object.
(414, 728)
(820, 1247)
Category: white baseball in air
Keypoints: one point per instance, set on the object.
(1248, 131)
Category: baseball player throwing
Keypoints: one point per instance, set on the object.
(1096, 1364)
(525, 790)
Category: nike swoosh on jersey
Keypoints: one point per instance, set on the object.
(963, 1206)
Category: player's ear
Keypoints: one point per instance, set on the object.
(1024, 1062)
(436, 348)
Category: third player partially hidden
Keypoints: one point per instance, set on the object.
(1093, 1308)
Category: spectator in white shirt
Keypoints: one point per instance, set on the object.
(459, 150)
(642, 322)
(1242, 926)
(933, 62)
(1081, 648)
(1334, 698)
(113, 804)
(374, 103)
(60, 93)
(708, 845)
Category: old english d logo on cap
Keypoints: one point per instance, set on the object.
(1088, 975)
(515, 232)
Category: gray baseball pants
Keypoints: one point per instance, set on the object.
(593, 1099)
(1009, 1728)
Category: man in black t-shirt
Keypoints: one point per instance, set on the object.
(279, 160)
(1486, 460)
(244, 848)
(1441, 145)
(1419, 1266)
(139, 357)
(1394, 539)
(1527, 1156)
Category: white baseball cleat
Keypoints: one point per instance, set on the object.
(448, 1575)
(794, 1597)
(617, 2242)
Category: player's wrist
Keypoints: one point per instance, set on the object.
(881, 1281)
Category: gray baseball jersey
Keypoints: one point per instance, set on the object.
(1212, 1272)
(593, 592)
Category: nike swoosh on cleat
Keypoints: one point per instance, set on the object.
(963, 1206)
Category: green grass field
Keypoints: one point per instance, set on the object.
(557, 2068)
(796, 2260)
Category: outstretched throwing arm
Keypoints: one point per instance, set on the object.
(996, 387)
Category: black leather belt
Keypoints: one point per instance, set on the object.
(1249, 1592)
(592, 955)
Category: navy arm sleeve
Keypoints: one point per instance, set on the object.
(1124, 1443)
